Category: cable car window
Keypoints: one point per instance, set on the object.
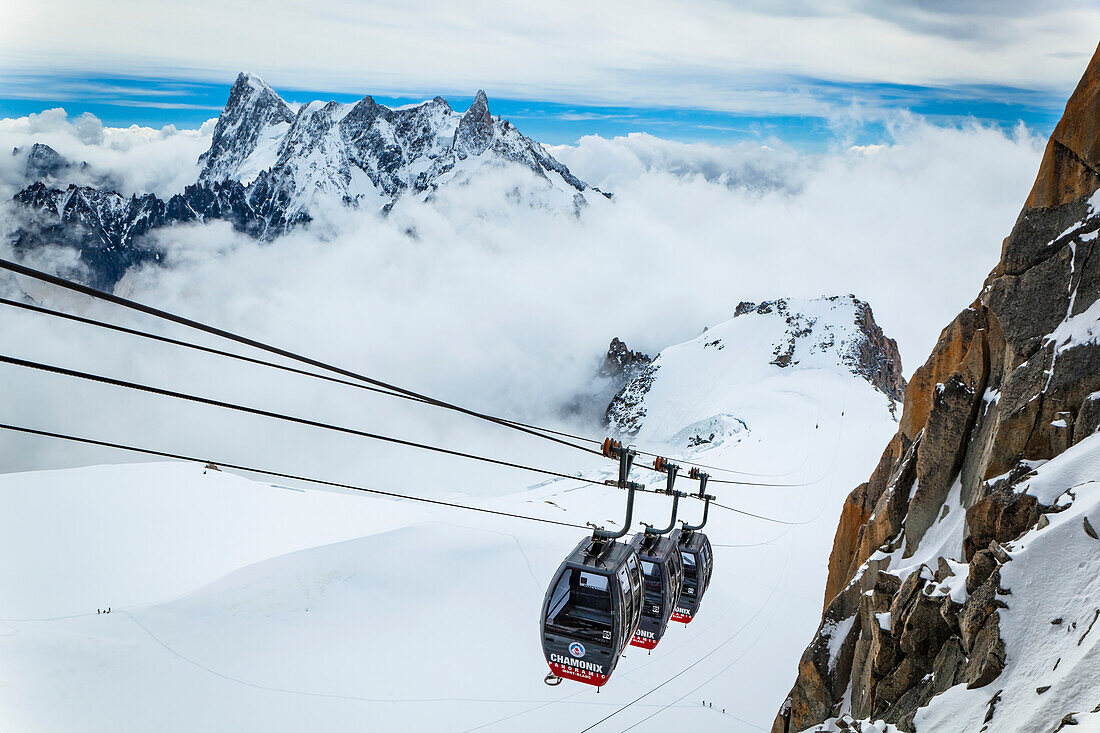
(632, 565)
(580, 607)
(628, 602)
(652, 573)
(624, 582)
(620, 628)
(690, 571)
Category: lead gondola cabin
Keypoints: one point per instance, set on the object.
(591, 610)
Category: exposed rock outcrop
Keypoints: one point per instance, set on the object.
(43, 162)
(872, 355)
(632, 374)
(1012, 381)
(621, 363)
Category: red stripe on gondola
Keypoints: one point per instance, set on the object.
(644, 643)
(579, 675)
(684, 618)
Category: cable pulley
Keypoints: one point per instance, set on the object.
(670, 470)
(614, 449)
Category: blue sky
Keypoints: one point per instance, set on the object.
(857, 109)
(806, 72)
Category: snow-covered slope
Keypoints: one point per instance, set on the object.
(238, 605)
(688, 394)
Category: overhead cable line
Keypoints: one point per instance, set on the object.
(278, 474)
(164, 454)
(196, 325)
(328, 426)
(723, 470)
(759, 516)
(101, 379)
(198, 347)
(279, 416)
(379, 386)
(274, 365)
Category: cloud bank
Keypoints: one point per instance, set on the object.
(130, 160)
(508, 307)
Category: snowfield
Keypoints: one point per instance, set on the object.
(238, 604)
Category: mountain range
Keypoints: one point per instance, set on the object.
(272, 165)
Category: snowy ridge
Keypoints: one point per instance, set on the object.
(364, 152)
(248, 132)
(691, 393)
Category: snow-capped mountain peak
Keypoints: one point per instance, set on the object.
(475, 130)
(249, 129)
(271, 167)
(362, 152)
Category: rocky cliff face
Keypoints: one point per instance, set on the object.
(870, 354)
(269, 167)
(915, 598)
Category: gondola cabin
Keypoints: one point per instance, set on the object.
(698, 560)
(662, 574)
(591, 610)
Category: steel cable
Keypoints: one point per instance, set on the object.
(377, 385)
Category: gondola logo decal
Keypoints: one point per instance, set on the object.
(576, 649)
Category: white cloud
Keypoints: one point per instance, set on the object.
(727, 56)
(614, 163)
(509, 308)
(130, 160)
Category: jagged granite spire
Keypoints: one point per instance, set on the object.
(475, 130)
(252, 116)
(44, 161)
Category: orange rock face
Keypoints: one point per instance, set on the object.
(1071, 165)
(996, 393)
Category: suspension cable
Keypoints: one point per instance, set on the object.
(164, 454)
(278, 416)
(278, 474)
(760, 516)
(262, 362)
(284, 367)
(274, 365)
(165, 315)
(375, 385)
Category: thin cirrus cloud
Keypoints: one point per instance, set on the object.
(749, 58)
